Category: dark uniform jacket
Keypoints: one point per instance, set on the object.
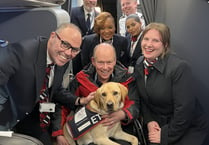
(120, 44)
(77, 17)
(168, 97)
(85, 83)
(22, 72)
(131, 61)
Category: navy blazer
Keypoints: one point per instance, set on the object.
(77, 17)
(22, 72)
(169, 98)
(120, 44)
(136, 54)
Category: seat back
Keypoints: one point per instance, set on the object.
(19, 139)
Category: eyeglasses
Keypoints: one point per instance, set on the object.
(66, 45)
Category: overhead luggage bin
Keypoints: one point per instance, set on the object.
(30, 3)
(24, 19)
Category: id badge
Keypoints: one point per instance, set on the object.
(47, 107)
(130, 69)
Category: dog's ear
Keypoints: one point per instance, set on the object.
(97, 97)
(124, 91)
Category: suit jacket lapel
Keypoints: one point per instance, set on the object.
(137, 50)
(40, 66)
(129, 47)
(82, 18)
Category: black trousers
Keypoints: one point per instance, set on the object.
(31, 126)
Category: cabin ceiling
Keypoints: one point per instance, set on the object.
(29, 3)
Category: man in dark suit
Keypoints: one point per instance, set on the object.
(79, 16)
(22, 75)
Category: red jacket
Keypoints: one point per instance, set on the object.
(84, 83)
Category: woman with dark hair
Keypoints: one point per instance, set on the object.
(133, 27)
(170, 109)
(104, 28)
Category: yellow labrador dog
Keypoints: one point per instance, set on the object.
(108, 98)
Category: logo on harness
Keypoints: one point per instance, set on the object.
(82, 121)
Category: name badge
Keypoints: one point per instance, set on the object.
(47, 107)
(130, 69)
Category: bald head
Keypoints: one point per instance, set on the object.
(104, 61)
(104, 49)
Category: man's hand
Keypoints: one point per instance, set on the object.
(85, 100)
(60, 140)
(112, 118)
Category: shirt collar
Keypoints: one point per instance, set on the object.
(97, 80)
(106, 41)
(159, 65)
(48, 59)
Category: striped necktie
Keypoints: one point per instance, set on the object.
(148, 66)
(44, 97)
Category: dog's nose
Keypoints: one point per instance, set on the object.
(110, 105)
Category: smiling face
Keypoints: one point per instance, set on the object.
(104, 25)
(89, 5)
(108, 29)
(104, 61)
(133, 27)
(152, 46)
(57, 53)
(129, 6)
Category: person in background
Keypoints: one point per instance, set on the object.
(27, 83)
(133, 27)
(170, 109)
(83, 17)
(79, 16)
(104, 28)
(103, 68)
(129, 7)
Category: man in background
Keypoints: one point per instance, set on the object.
(129, 7)
(83, 16)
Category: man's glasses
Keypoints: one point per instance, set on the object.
(66, 45)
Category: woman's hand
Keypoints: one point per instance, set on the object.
(153, 126)
(154, 132)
